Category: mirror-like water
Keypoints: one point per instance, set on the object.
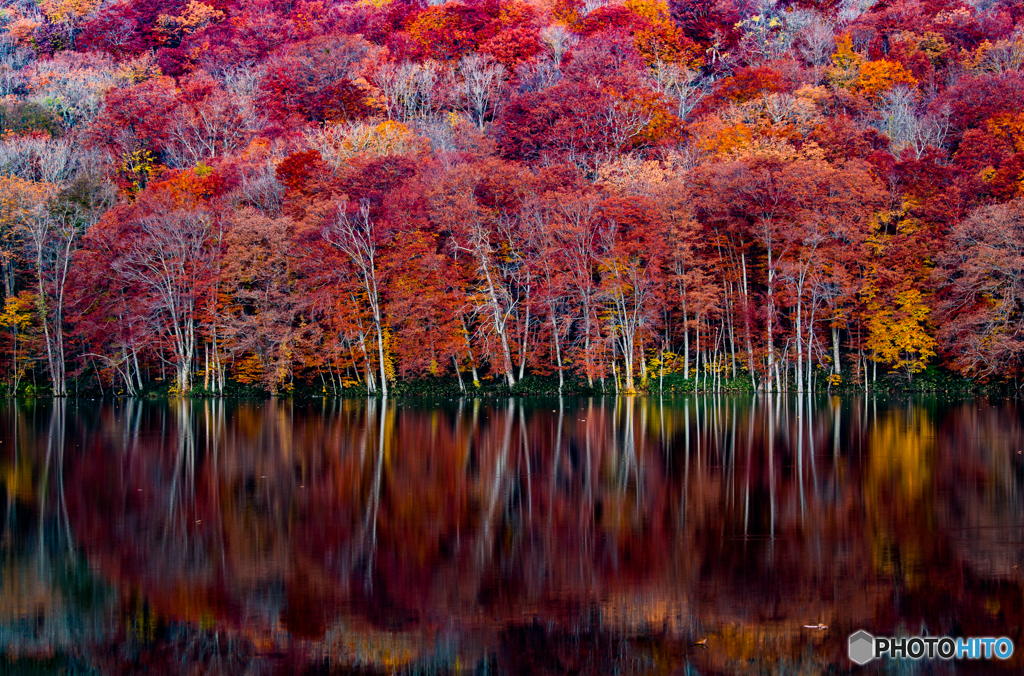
(508, 536)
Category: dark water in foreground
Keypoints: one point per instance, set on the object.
(525, 536)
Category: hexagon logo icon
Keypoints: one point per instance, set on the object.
(862, 647)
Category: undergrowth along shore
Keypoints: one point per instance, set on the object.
(931, 380)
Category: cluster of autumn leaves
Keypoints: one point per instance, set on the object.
(349, 195)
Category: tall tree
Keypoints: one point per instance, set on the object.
(53, 238)
(630, 264)
(359, 237)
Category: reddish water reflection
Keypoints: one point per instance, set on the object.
(536, 536)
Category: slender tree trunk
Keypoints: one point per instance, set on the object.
(643, 361)
(462, 386)
(732, 332)
(499, 324)
(810, 363)
(715, 365)
(799, 343)
(138, 371)
(8, 275)
(771, 321)
(526, 336)
(661, 372)
(627, 364)
(52, 336)
(719, 367)
(704, 373)
(686, 343)
(469, 351)
(14, 361)
(371, 385)
(588, 361)
(355, 362)
(836, 363)
(746, 322)
(725, 334)
(380, 353)
(558, 348)
(696, 355)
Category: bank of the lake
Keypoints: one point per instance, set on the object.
(931, 380)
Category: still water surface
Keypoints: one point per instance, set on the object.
(505, 536)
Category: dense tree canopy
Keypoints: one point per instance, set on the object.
(349, 195)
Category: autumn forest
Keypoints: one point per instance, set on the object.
(347, 197)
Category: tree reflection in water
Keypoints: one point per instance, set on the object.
(525, 536)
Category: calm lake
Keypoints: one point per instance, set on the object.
(536, 536)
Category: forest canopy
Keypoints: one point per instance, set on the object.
(346, 196)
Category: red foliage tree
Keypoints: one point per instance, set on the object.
(314, 80)
(982, 267)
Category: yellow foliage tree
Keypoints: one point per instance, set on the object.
(898, 334)
(68, 11)
(877, 77)
(195, 17)
(934, 46)
(133, 71)
(137, 168)
(389, 356)
(654, 11)
(338, 143)
(846, 63)
(16, 318)
(662, 40)
(249, 370)
(717, 138)
(1008, 126)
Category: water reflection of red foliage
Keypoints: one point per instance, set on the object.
(744, 520)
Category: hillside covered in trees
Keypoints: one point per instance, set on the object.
(352, 195)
